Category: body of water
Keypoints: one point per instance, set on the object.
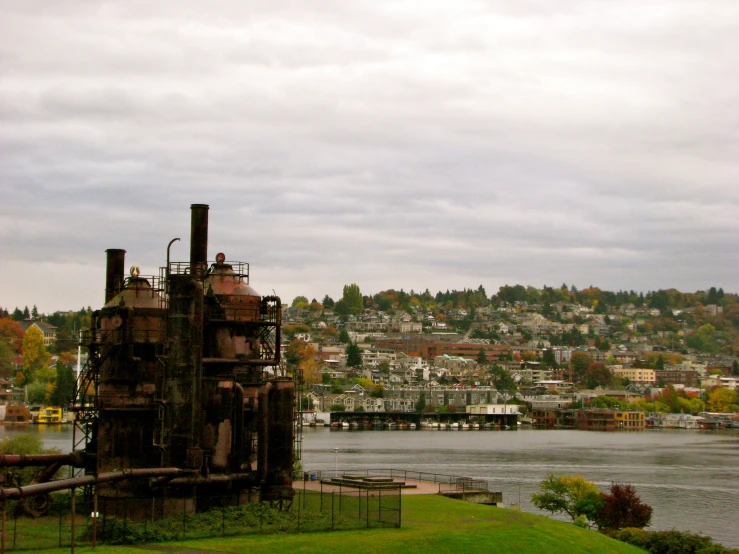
(690, 478)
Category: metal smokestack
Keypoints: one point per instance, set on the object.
(114, 272)
(198, 239)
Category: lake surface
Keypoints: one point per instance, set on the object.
(690, 478)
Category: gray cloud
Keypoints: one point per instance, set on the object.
(397, 144)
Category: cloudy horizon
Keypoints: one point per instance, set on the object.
(402, 144)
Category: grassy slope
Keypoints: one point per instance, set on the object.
(430, 524)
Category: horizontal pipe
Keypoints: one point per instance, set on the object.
(23, 460)
(62, 484)
(213, 478)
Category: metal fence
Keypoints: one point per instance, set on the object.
(446, 482)
(139, 520)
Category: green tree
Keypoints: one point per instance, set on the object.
(337, 408)
(704, 339)
(548, 358)
(503, 381)
(364, 382)
(384, 366)
(64, 387)
(421, 404)
(723, 400)
(300, 302)
(604, 345)
(353, 355)
(482, 357)
(378, 391)
(341, 308)
(353, 299)
(35, 356)
(7, 365)
(598, 375)
(38, 393)
(328, 302)
(571, 495)
(580, 362)
(27, 444)
(344, 337)
(608, 402)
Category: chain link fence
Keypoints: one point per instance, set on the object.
(142, 520)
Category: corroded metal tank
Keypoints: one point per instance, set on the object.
(183, 368)
(130, 329)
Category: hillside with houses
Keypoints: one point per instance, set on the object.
(659, 352)
(396, 351)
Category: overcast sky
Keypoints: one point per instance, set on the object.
(399, 144)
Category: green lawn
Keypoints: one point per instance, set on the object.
(431, 524)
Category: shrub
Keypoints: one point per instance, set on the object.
(572, 495)
(622, 508)
(25, 444)
(669, 542)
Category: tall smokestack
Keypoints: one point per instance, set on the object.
(198, 239)
(114, 272)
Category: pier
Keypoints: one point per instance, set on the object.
(417, 421)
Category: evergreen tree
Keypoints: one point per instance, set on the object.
(353, 355)
(421, 404)
(64, 386)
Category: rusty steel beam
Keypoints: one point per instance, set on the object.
(62, 484)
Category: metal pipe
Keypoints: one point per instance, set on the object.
(263, 430)
(169, 246)
(62, 484)
(213, 478)
(198, 239)
(23, 460)
(74, 514)
(115, 266)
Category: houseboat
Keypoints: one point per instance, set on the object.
(50, 414)
(16, 415)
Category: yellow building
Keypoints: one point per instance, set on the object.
(629, 421)
(637, 375)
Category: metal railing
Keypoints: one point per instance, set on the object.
(406, 475)
(130, 520)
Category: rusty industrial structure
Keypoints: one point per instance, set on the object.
(183, 387)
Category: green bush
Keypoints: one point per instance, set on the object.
(27, 444)
(234, 520)
(669, 542)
